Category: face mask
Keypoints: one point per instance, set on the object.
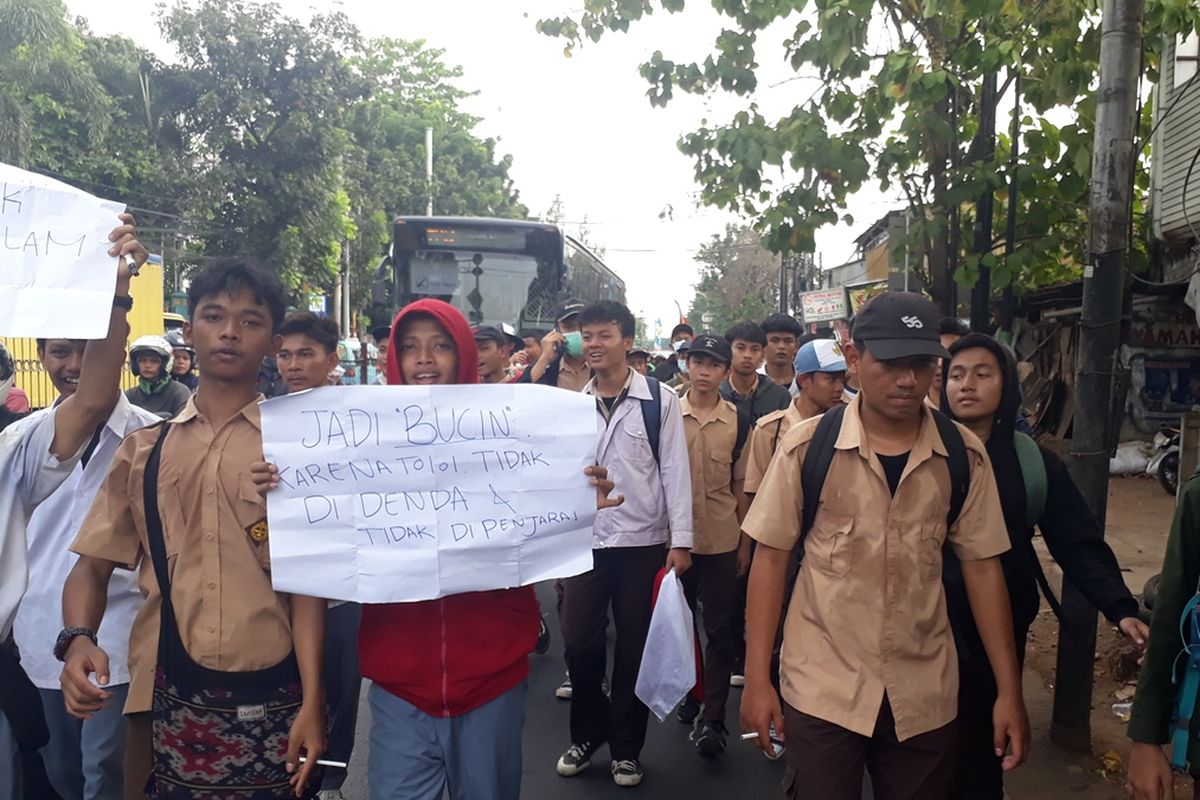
(573, 344)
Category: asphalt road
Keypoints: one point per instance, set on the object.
(673, 769)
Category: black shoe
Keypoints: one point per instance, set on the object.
(577, 758)
(709, 738)
(688, 712)
(543, 640)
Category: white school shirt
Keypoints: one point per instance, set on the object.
(48, 536)
(29, 473)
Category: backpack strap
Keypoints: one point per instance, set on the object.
(1033, 470)
(1033, 474)
(956, 462)
(817, 459)
(652, 415)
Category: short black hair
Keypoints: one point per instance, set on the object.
(682, 327)
(952, 325)
(232, 274)
(322, 330)
(608, 311)
(748, 332)
(783, 323)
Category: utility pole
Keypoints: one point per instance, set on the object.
(986, 153)
(1109, 211)
(429, 170)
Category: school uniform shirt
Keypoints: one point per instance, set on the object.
(51, 530)
(29, 473)
(658, 499)
(710, 446)
(868, 614)
(215, 529)
(764, 441)
(561, 374)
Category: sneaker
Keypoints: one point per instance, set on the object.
(563, 692)
(777, 747)
(737, 680)
(543, 640)
(577, 758)
(688, 712)
(709, 739)
(330, 794)
(627, 772)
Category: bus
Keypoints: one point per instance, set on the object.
(492, 270)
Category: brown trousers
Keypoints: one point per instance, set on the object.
(139, 753)
(827, 761)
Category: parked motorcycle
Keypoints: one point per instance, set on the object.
(1165, 462)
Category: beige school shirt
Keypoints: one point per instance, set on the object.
(868, 614)
(710, 453)
(217, 541)
(764, 441)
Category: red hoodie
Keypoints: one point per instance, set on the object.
(451, 655)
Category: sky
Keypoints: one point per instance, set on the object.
(579, 129)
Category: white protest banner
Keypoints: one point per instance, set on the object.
(56, 277)
(401, 493)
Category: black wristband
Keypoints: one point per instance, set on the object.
(66, 636)
(123, 301)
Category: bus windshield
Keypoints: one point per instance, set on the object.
(489, 288)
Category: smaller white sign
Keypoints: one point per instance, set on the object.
(823, 305)
(54, 258)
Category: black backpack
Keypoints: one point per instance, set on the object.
(820, 456)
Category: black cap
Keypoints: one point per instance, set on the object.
(682, 327)
(488, 333)
(709, 345)
(636, 352)
(569, 308)
(380, 333)
(782, 323)
(899, 325)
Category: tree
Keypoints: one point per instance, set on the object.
(739, 279)
(898, 98)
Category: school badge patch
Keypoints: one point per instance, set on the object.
(258, 531)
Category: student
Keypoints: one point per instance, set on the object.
(183, 370)
(821, 375)
(753, 392)
(639, 361)
(36, 456)
(671, 369)
(562, 363)
(868, 670)
(783, 341)
(950, 330)
(83, 759)
(382, 334)
(150, 361)
(307, 355)
(450, 724)
(1163, 674)
(495, 353)
(982, 392)
(628, 548)
(221, 612)
(715, 436)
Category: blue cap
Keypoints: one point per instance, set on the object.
(820, 355)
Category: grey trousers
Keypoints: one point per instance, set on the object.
(86, 758)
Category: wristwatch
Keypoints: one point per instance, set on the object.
(123, 301)
(67, 636)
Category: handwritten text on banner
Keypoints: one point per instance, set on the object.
(402, 493)
(54, 258)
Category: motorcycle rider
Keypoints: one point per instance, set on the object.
(184, 368)
(150, 359)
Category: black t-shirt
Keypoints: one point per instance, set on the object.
(893, 468)
(609, 402)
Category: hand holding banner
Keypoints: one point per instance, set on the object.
(56, 277)
(405, 493)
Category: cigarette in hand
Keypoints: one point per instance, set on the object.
(323, 763)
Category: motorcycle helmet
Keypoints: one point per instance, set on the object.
(175, 339)
(151, 344)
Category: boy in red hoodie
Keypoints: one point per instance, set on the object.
(448, 675)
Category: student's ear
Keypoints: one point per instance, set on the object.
(276, 343)
(187, 332)
(853, 357)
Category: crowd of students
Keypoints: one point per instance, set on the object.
(861, 561)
